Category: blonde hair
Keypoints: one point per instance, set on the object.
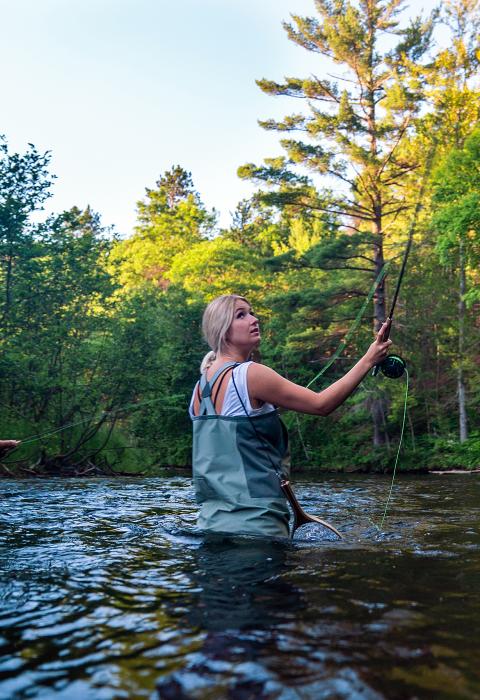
(216, 321)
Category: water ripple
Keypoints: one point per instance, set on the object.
(109, 591)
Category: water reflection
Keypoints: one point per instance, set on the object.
(241, 584)
(242, 597)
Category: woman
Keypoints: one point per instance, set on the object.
(240, 445)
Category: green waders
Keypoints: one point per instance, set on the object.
(237, 461)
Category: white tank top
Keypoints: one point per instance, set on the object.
(232, 405)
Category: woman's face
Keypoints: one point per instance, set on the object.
(244, 331)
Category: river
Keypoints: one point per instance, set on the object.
(108, 591)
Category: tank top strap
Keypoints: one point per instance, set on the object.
(206, 404)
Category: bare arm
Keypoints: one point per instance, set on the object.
(264, 384)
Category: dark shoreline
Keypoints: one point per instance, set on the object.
(186, 471)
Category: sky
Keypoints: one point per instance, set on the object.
(121, 90)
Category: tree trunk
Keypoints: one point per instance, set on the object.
(8, 286)
(378, 404)
(462, 411)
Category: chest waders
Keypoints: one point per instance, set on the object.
(238, 462)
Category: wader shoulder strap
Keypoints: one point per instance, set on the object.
(206, 404)
(260, 439)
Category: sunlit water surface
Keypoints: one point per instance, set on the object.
(108, 591)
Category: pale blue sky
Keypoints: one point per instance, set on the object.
(121, 90)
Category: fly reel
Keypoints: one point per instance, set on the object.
(393, 366)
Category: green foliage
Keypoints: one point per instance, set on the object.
(215, 267)
(171, 219)
(158, 332)
(444, 452)
(24, 187)
(53, 347)
(101, 345)
(457, 195)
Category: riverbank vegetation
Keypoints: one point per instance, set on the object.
(100, 341)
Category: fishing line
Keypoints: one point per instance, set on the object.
(398, 451)
(48, 433)
(393, 366)
(356, 322)
(354, 325)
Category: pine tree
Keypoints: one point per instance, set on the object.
(353, 126)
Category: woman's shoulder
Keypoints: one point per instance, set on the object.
(258, 377)
(240, 390)
(253, 371)
(256, 370)
(264, 384)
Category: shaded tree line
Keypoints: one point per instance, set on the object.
(100, 341)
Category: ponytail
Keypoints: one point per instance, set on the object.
(208, 361)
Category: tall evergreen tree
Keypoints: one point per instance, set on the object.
(353, 126)
(454, 88)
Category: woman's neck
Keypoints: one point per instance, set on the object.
(232, 355)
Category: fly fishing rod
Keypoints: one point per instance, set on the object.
(394, 366)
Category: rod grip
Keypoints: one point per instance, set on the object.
(386, 335)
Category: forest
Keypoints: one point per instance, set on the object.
(100, 340)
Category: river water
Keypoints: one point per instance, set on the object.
(107, 591)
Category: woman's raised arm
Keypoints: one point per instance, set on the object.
(264, 384)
